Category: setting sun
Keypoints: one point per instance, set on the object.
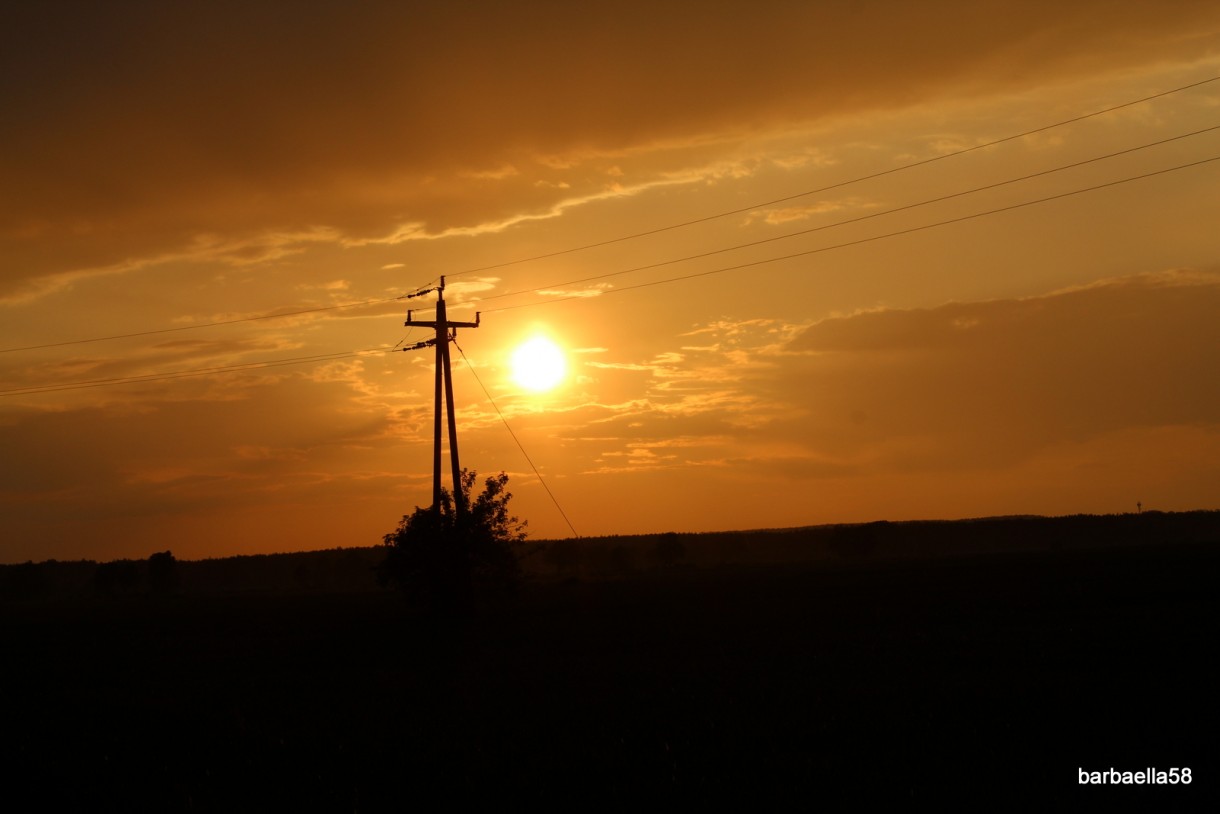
(538, 364)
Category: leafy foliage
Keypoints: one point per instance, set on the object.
(447, 562)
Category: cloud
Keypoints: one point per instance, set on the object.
(1096, 390)
(576, 293)
(289, 441)
(792, 214)
(60, 264)
(960, 387)
(333, 285)
(136, 129)
(972, 384)
(167, 357)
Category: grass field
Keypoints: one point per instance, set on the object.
(988, 680)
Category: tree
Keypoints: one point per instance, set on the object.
(447, 562)
(162, 573)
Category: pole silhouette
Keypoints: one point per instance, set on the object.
(446, 332)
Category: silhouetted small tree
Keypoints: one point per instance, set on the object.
(446, 562)
(162, 573)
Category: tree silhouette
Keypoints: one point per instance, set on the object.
(162, 573)
(446, 562)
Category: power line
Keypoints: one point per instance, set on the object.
(839, 185)
(870, 239)
(180, 374)
(623, 238)
(849, 221)
(724, 269)
(196, 326)
(470, 367)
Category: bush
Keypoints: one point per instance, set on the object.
(446, 562)
(162, 573)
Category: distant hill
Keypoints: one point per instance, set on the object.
(881, 541)
(352, 570)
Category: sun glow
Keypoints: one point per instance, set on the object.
(538, 365)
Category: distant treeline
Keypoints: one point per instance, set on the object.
(354, 569)
(162, 575)
(878, 541)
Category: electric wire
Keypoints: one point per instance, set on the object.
(517, 440)
(623, 238)
(196, 326)
(707, 273)
(839, 185)
(849, 221)
(180, 374)
(861, 241)
(318, 358)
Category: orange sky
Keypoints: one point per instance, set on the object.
(162, 168)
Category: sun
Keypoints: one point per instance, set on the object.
(538, 365)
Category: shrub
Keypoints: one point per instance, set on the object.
(447, 562)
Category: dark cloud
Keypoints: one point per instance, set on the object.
(988, 382)
(130, 128)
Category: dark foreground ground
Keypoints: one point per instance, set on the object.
(988, 682)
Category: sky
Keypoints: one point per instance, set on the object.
(806, 262)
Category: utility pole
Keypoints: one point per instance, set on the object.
(446, 332)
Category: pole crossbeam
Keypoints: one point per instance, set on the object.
(446, 332)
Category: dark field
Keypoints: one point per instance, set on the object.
(987, 681)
